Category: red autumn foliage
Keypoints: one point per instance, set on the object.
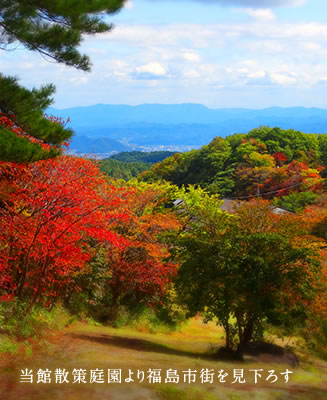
(141, 268)
(315, 217)
(296, 176)
(48, 210)
(280, 157)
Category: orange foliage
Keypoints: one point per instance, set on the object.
(142, 267)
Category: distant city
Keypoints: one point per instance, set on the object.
(102, 130)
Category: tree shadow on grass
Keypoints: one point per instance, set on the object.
(142, 345)
(292, 392)
(257, 352)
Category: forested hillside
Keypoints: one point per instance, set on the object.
(128, 165)
(142, 156)
(285, 165)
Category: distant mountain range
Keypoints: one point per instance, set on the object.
(107, 129)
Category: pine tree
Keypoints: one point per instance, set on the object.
(54, 28)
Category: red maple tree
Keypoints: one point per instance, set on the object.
(48, 211)
(141, 270)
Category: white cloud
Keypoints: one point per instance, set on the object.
(259, 79)
(283, 79)
(152, 70)
(225, 54)
(262, 13)
(256, 74)
(190, 62)
(191, 56)
(312, 46)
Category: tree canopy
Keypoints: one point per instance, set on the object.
(250, 266)
(266, 162)
(54, 29)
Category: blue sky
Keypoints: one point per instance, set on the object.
(221, 53)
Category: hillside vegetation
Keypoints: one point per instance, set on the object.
(128, 165)
(150, 254)
(268, 162)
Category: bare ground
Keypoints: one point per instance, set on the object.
(193, 348)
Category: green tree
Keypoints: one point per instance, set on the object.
(323, 153)
(55, 30)
(121, 169)
(245, 268)
(296, 201)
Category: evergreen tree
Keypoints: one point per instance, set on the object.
(54, 28)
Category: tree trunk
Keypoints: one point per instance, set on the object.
(248, 332)
(227, 334)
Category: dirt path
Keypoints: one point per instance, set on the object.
(104, 353)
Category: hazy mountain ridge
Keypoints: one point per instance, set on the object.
(110, 128)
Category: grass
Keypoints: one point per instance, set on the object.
(173, 393)
(192, 347)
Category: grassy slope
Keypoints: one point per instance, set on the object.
(91, 347)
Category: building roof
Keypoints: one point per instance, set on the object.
(231, 205)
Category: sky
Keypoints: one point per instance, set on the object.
(220, 53)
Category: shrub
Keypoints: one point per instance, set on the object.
(39, 321)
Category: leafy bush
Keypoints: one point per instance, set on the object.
(20, 326)
(315, 335)
(150, 319)
(296, 201)
(8, 345)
